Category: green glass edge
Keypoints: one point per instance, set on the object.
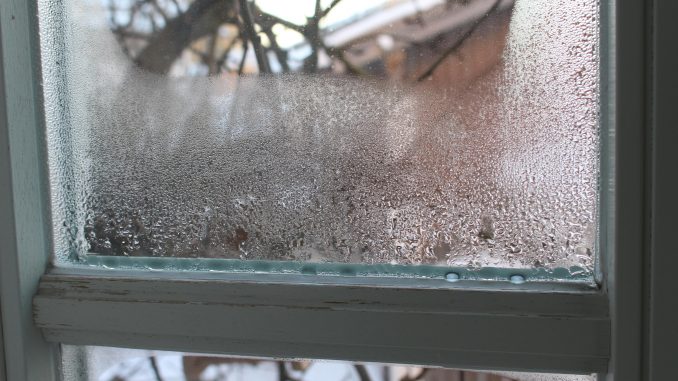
(572, 274)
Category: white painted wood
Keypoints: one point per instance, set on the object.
(24, 223)
(663, 304)
(316, 317)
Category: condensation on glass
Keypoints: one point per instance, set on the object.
(460, 133)
(80, 363)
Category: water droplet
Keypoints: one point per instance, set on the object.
(517, 279)
(452, 277)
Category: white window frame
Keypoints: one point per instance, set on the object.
(625, 330)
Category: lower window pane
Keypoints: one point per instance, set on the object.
(82, 363)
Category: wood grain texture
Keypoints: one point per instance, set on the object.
(275, 316)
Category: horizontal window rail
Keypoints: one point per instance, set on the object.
(491, 325)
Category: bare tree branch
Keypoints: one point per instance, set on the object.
(264, 18)
(280, 54)
(416, 377)
(131, 34)
(452, 49)
(222, 60)
(133, 11)
(335, 52)
(160, 11)
(362, 372)
(176, 5)
(245, 47)
(312, 34)
(156, 370)
(201, 54)
(151, 19)
(329, 8)
(283, 374)
(386, 373)
(317, 13)
(200, 19)
(254, 37)
(212, 67)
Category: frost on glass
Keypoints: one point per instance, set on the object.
(80, 363)
(458, 133)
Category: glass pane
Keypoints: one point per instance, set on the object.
(118, 364)
(454, 133)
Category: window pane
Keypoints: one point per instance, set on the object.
(456, 133)
(118, 364)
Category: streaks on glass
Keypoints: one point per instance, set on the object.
(344, 152)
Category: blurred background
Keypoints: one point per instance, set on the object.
(119, 364)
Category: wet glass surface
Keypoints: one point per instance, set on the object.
(457, 133)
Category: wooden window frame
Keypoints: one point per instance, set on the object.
(623, 330)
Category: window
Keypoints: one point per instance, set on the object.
(438, 150)
(536, 326)
(105, 364)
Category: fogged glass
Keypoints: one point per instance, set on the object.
(461, 133)
(118, 364)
